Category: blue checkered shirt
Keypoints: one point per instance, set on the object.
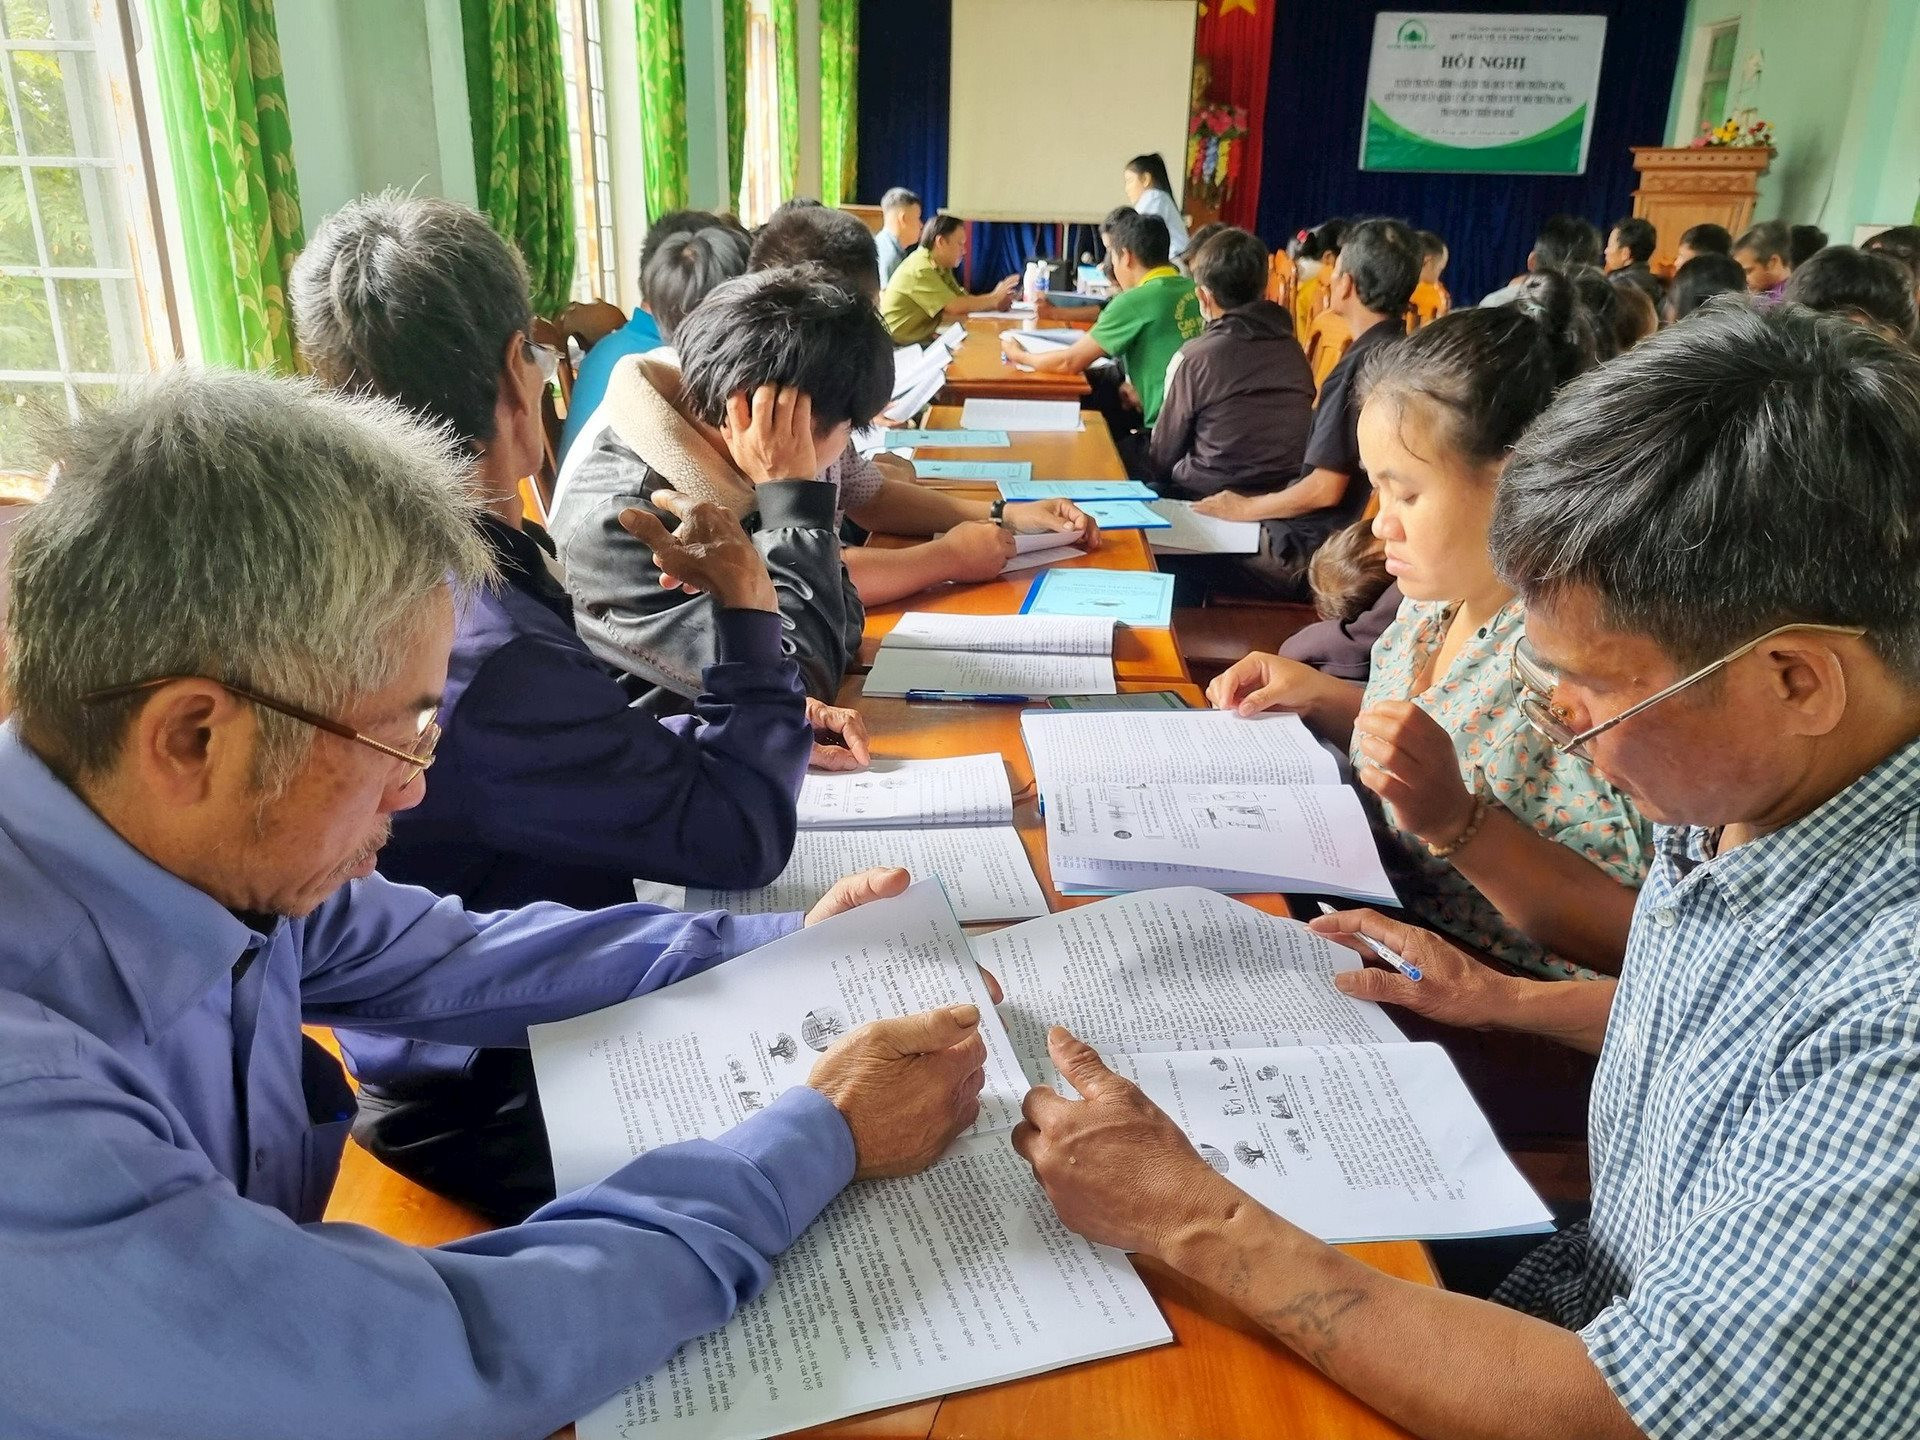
(1752, 1266)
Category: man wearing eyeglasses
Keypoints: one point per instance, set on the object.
(230, 628)
(1717, 538)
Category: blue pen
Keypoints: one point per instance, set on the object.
(962, 697)
(1412, 972)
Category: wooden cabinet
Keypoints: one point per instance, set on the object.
(1685, 186)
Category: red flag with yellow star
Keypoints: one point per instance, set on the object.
(1235, 37)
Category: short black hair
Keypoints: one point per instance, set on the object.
(1565, 240)
(675, 222)
(1197, 238)
(1152, 169)
(1770, 239)
(1841, 280)
(1699, 280)
(1233, 267)
(1754, 467)
(1384, 261)
(832, 238)
(1707, 238)
(415, 298)
(795, 326)
(899, 198)
(937, 228)
(1431, 245)
(1600, 304)
(1144, 237)
(1902, 242)
(680, 274)
(1638, 236)
(1806, 241)
(798, 202)
(1319, 242)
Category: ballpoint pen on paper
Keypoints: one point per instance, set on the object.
(1412, 972)
(965, 696)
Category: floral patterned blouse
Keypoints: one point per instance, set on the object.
(1503, 760)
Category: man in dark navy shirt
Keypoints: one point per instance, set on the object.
(547, 785)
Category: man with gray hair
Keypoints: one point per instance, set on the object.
(229, 637)
(1717, 537)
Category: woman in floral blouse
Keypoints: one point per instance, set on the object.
(1492, 834)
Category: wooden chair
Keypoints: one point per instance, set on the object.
(1212, 637)
(1326, 339)
(1309, 299)
(1281, 279)
(588, 322)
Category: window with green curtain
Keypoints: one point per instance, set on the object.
(785, 34)
(663, 105)
(218, 64)
(734, 37)
(839, 97)
(518, 110)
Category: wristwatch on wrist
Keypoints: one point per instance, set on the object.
(997, 512)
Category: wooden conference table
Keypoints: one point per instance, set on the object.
(1222, 1379)
(980, 372)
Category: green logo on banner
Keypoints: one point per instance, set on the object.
(1413, 35)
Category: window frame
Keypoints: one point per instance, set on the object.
(583, 65)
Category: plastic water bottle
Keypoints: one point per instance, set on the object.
(1035, 282)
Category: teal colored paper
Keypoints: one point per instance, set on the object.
(945, 439)
(1079, 490)
(1132, 597)
(1125, 515)
(1014, 470)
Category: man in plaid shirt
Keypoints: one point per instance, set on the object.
(1718, 540)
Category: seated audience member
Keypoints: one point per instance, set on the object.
(879, 492)
(1356, 599)
(1703, 239)
(1762, 254)
(1731, 504)
(1635, 317)
(1492, 834)
(548, 786)
(1563, 242)
(1700, 280)
(1314, 253)
(1599, 303)
(1372, 279)
(899, 231)
(1630, 246)
(924, 294)
(1430, 298)
(199, 774)
(1150, 192)
(1198, 238)
(1239, 400)
(1155, 313)
(1806, 241)
(774, 372)
(1902, 243)
(1859, 285)
(718, 239)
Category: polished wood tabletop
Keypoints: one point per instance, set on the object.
(1083, 454)
(980, 371)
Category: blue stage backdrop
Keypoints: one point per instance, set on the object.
(1314, 103)
(1311, 172)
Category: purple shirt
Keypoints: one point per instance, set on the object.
(170, 1140)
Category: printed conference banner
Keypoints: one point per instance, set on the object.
(1496, 94)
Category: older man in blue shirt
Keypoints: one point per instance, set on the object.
(229, 634)
(1718, 540)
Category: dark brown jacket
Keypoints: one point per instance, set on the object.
(1238, 405)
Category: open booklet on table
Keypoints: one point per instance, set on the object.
(933, 656)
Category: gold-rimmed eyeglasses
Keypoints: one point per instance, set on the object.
(417, 760)
(1534, 684)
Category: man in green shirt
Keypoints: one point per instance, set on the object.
(925, 294)
(1155, 313)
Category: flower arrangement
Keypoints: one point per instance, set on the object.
(1215, 140)
(1742, 130)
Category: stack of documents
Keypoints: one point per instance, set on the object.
(950, 439)
(1024, 488)
(1037, 415)
(1006, 470)
(1124, 515)
(917, 377)
(949, 819)
(1232, 804)
(1127, 597)
(1044, 547)
(1190, 533)
(994, 657)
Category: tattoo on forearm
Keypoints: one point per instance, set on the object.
(1311, 1324)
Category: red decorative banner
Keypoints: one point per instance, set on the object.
(1235, 40)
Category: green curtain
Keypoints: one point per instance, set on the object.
(787, 73)
(839, 97)
(735, 39)
(521, 164)
(663, 105)
(218, 64)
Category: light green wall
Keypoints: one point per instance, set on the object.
(1840, 80)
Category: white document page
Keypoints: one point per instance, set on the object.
(1060, 339)
(1192, 533)
(1225, 837)
(1183, 747)
(1349, 1142)
(958, 1277)
(958, 790)
(695, 1058)
(963, 673)
(906, 359)
(954, 336)
(1046, 415)
(1179, 969)
(919, 384)
(984, 868)
(1033, 559)
(1011, 634)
